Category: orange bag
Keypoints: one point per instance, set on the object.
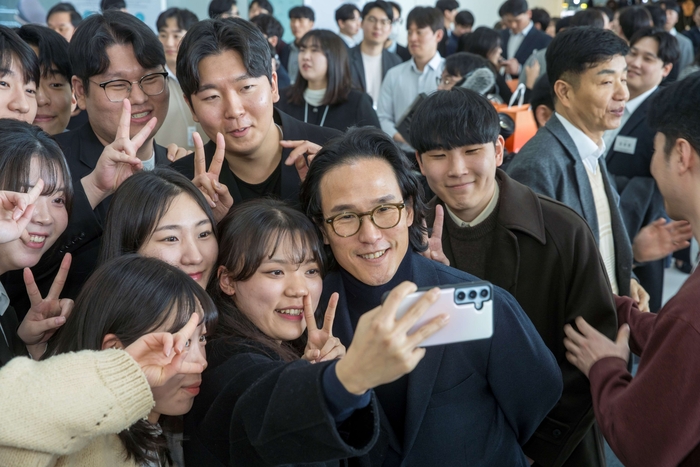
(525, 126)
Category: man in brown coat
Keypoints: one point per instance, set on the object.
(538, 249)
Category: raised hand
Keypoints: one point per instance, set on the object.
(382, 351)
(207, 181)
(321, 346)
(660, 238)
(175, 152)
(16, 211)
(161, 355)
(118, 160)
(434, 241)
(46, 314)
(301, 156)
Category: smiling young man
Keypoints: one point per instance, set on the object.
(226, 76)
(539, 250)
(404, 82)
(54, 96)
(467, 403)
(370, 61)
(20, 72)
(630, 146)
(648, 418)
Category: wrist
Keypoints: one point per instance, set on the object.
(94, 195)
(349, 378)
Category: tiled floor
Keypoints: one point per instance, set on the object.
(673, 279)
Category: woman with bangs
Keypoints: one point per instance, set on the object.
(322, 93)
(161, 214)
(32, 163)
(279, 389)
(116, 422)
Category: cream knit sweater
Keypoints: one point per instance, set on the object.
(66, 411)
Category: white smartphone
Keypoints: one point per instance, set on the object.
(470, 306)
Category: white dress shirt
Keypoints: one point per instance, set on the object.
(515, 40)
(349, 41)
(588, 150)
(401, 85)
(483, 215)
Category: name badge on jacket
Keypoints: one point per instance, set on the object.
(625, 144)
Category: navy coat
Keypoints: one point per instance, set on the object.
(473, 403)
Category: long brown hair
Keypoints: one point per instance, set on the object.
(338, 74)
(250, 233)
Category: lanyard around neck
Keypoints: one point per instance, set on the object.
(306, 113)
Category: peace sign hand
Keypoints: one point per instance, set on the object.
(434, 242)
(46, 315)
(154, 353)
(216, 194)
(321, 346)
(118, 160)
(16, 211)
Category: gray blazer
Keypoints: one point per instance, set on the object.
(687, 52)
(357, 68)
(550, 164)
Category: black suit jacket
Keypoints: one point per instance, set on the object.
(403, 52)
(292, 129)
(13, 346)
(640, 199)
(83, 235)
(694, 35)
(535, 40)
(473, 403)
(357, 68)
(357, 110)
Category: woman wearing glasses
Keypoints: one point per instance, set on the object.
(322, 93)
(275, 392)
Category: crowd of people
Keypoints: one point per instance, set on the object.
(208, 237)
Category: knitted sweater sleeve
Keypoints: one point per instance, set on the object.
(57, 406)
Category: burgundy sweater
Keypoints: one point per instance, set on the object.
(653, 419)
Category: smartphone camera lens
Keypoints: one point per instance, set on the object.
(472, 294)
(484, 293)
(461, 296)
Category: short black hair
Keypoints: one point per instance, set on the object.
(64, 7)
(576, 50)
(358, 144)
(219, 7)
(426, 17)
(397, 6)
(658, 15)
(53, 50)
(606, 11)
(269, 25)
(301, 12)
(482, 41)
(464, 18)
(346, 11)
(671, 5)
(184, 18)
(452, 119)
(540, 15)
(88, 47)
(214, 36)
(593, 18)
(12, 48)
(669, 51)
(264, 4)
(106, 5)
(446, 5)
(541, 94)
(563, 23)
(513, 7)
(382, 5)
(634, 18)
(463, 63)
(674, 111)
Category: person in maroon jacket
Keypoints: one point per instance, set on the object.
(653, 417)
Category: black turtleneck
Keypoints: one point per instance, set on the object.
(362, 298)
